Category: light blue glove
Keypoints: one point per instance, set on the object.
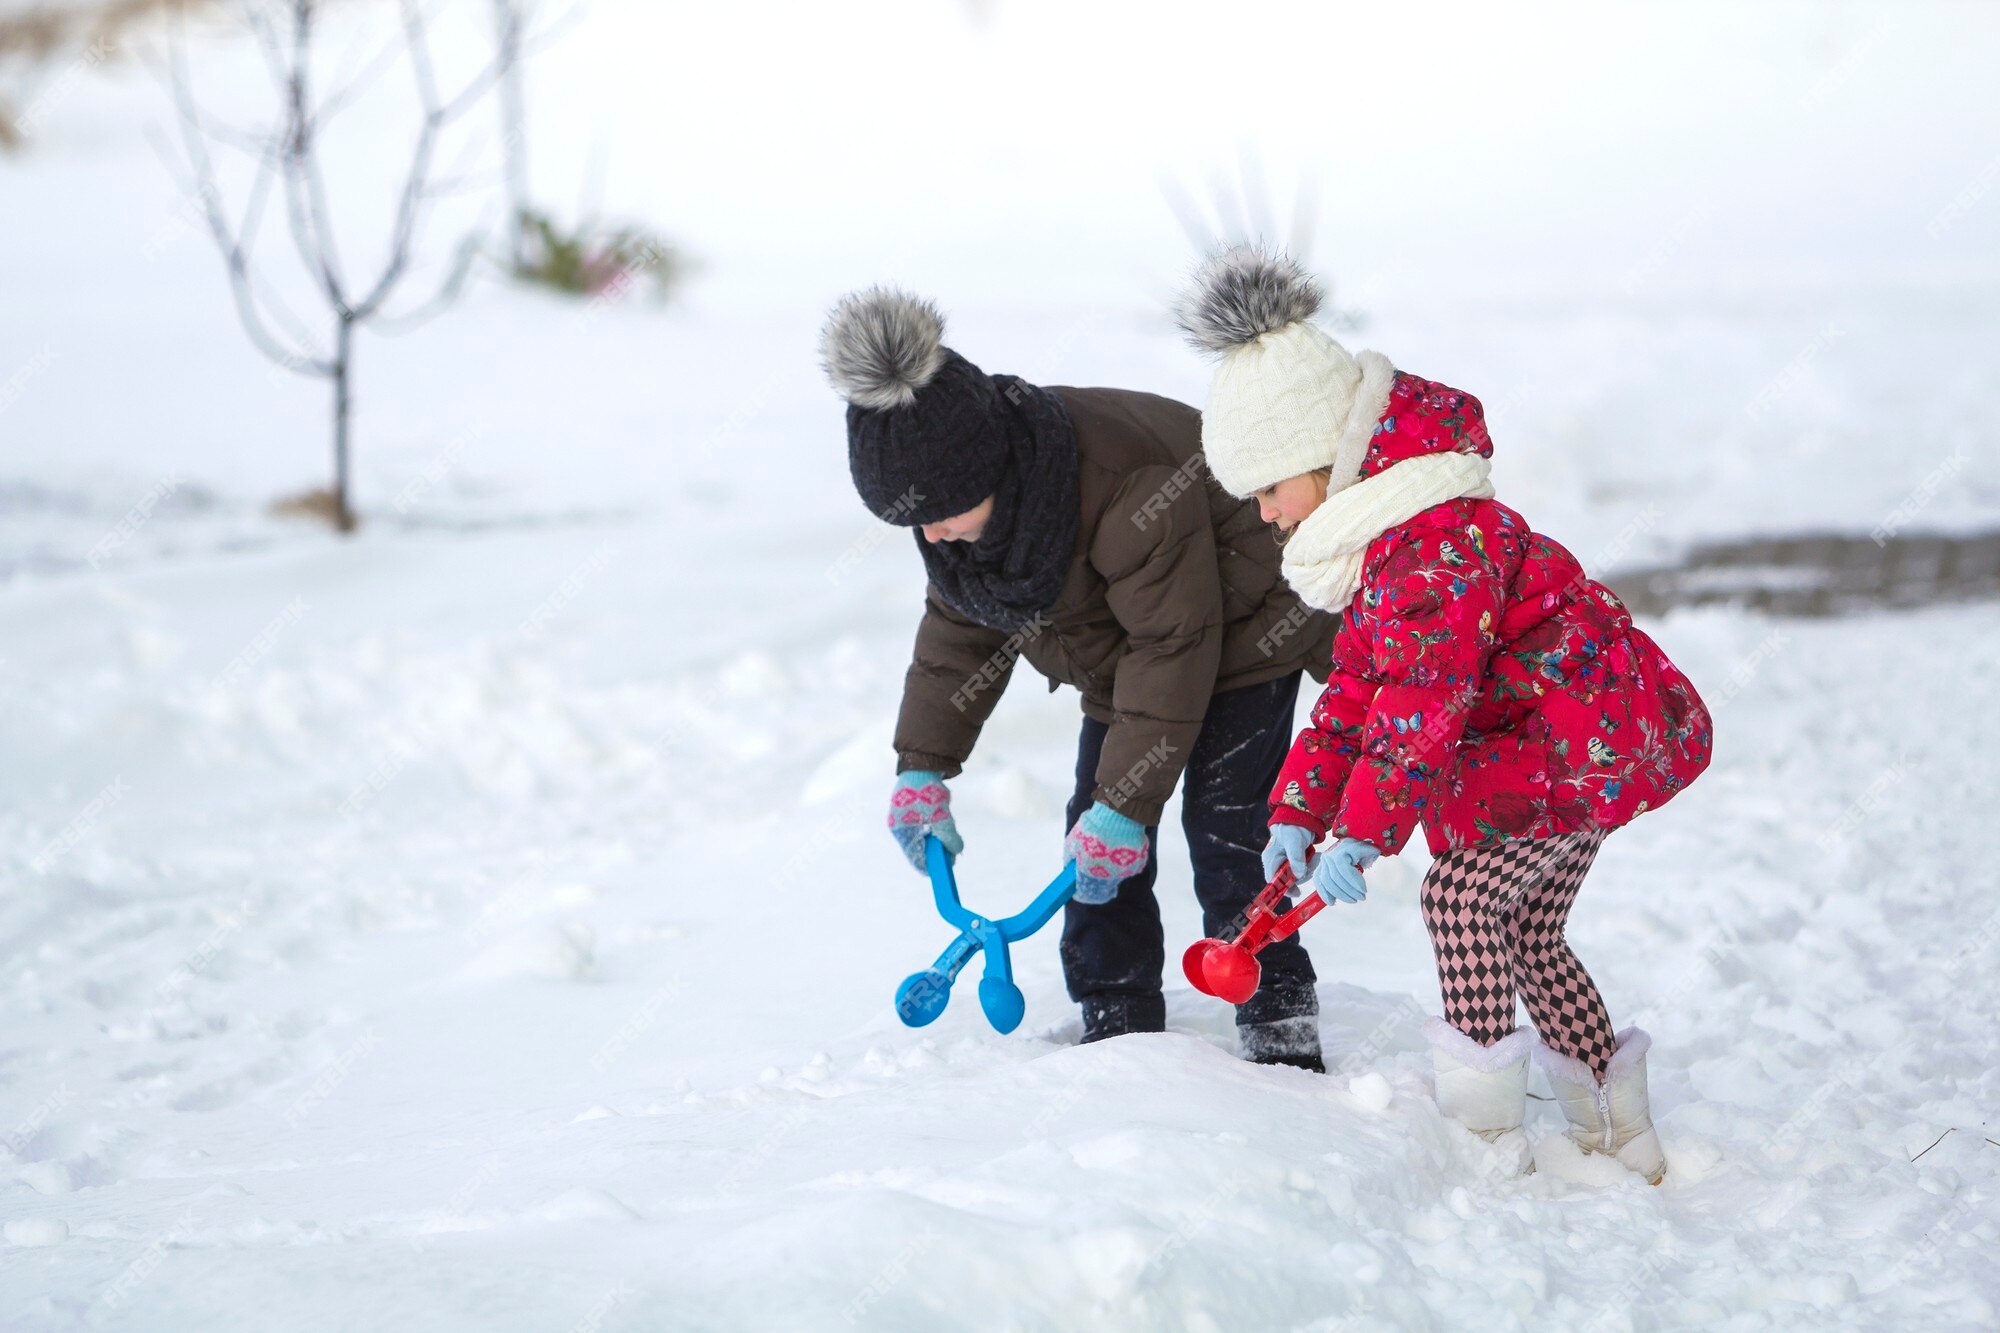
(1294, 843)
(1338, 876)
(1108, 848)
(921, 804)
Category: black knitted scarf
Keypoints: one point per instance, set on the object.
(1016, 568)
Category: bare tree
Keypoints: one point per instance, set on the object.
(286, 158)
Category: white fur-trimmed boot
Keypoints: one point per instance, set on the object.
(1613, 1117)
(1485, 1088)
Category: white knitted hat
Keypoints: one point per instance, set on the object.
(1287, 397)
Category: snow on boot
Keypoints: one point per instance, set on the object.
(1283, 1041)
(1612, 1117)
(1485, 1088)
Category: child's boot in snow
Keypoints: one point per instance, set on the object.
(1116, 1013)
(1283, 1041)
(1279, 1025)
(1612, 1117)
(1485, 1088)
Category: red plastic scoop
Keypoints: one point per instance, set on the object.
(1228, 969)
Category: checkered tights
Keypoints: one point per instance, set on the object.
(1495, 916)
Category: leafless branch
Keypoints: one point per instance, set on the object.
(235, 241)
(305, 191)
(437, 114)
(346, 93)
(1192, 224)
(446, 295)
(536, 43)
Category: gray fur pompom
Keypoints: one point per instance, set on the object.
(882, 345)
(1241, 294)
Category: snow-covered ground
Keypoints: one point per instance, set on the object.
(484, 922)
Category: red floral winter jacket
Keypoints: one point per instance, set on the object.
(1481, 682)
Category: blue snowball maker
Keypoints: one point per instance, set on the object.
(923, 995)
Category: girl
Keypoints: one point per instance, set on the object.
(1481, 684)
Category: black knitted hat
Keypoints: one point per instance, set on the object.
(926, 429)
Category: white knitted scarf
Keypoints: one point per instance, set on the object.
(1322, 558)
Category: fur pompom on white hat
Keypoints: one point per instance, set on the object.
(1287, 398)
(1242, 294)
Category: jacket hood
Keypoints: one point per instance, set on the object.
(1425, 417)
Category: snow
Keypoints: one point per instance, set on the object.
(485, 922)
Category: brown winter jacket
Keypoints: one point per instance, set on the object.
(1173, 595)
